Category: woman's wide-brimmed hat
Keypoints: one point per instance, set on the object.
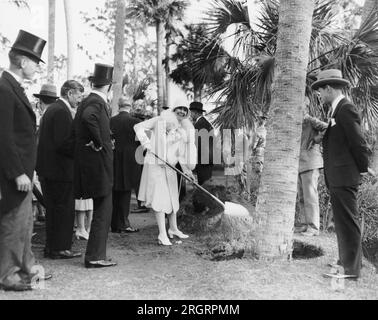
(48, 91)
(102, 75)
(29, 45)
(330, 76)
(181, 107)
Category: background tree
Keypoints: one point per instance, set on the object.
(119, 43)
(157, 13)
(70, 37)
(51, 42)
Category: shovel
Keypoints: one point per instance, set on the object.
(230, 208)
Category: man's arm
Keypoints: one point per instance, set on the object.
(91, 118)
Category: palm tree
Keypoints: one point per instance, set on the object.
(119, 43)
(199, 62)
(157, 13)
(51, 42)
(70, 33)
(276, 200)
(369, 6)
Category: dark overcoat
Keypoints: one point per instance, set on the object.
(93, 171)
(17, 141)
(54, 156)
(127, 152)
(205, 141)
(345, 152)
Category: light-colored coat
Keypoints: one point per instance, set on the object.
(173, 142)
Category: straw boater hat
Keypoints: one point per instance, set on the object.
(330, 76)
(29, 45)
(48, 91)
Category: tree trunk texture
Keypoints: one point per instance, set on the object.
(167, 70)
(70, 37)
(119, 44)
(159, 64)
(369, 6)
(275, 207)
(51, 42)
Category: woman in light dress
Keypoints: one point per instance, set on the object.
(172, 139)
(84, 211)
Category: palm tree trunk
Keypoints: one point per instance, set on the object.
(167, 91)
(275, 207)
(369, 6)
(159, 64)
(119, 44)
(51, 42)
(70, 44)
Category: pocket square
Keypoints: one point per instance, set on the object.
(333, 122)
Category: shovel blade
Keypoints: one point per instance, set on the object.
(234, 209)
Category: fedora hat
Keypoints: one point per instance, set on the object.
(29, 45)
(47, 90)
(102, 75)
(198, 106)
(330, 76)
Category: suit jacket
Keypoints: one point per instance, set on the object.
(17, 141)
(205, 141)
(345, 151)
(54, 159)
(127, 171)
(93, 171)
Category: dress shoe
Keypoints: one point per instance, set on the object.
(140, 210)
(177, 233)
(65, 254)
(164, 241)
(130, 230)
(35, 277)
(100, 264)
(20, 286)
(338, 275)
(310, 233)
(300, 229)
(81, 235)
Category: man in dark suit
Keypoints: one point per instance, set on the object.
(205, 140)
(127, 171)
(17, 162)
(93, 163)
(345, 156)
(55, 171)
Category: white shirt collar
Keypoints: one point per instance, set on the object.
(72, 110)
(102, 95)
(336, 102)
(17, 77)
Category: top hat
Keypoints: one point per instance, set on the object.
(102, 75)
(29, 45)
(47, 90)
(330, 76)
(197, 106)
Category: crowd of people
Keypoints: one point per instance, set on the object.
(86, 162)
(89, 162)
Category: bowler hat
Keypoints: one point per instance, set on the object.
(198, 106)
(102, 75)
(330, 76)
(47, 90)
(29, 45)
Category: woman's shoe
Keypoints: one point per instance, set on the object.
(164, 241)
(177, 233)
(81, 235)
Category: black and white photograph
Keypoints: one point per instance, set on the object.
(197, 153)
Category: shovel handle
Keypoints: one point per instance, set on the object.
(190, 180)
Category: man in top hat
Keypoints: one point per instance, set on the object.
(17, 162)
(204, 139)
(127, 171)
(93, 163)
(345, 156)
(55, 171)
